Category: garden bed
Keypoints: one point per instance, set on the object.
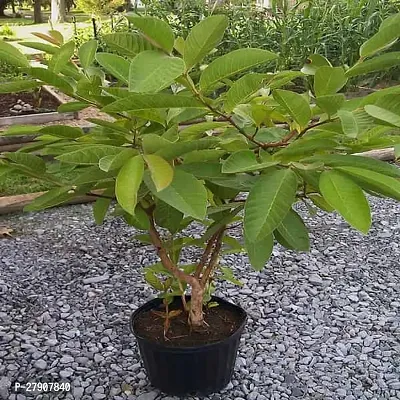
(26, 108)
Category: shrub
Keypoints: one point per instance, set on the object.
(6, 31)
(100, 7)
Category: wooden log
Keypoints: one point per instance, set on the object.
(10, 204)
(382, 154)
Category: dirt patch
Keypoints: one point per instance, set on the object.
(221, 322)
(8, 100)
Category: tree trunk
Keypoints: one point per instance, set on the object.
(3, 5)
(37, 12)
(196, 316)
(13, 7)
(57, 11)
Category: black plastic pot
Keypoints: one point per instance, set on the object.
(189, 370)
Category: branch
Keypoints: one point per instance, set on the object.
(205, 255)
(214, 258)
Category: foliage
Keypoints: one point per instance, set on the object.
(99, 7)
(216, 150)
(6, 31)
(9, 72)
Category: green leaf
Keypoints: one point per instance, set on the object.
(57, 36)
(161, 171)
(18, 130)
(295, 104)
(384, 38)
(62, 131)
(379, 63)
(126, 44)
(51, 79)
(167, 217)
(153, 281)
(243, 161)
(153, 71)
(73, 106)
(196, 131)
(347, 198)
(320, 202)
(340, 160)
(259, 252)
(10, 55)
(86, 53)
(293, 232)
(52, 198)
(61, 57)
(242, 89)
(115, 65)
(116, 161)
(300, 148)
(397, 151)
(155, 30)
(128, 182)
(152, 143)
(30, 161)
(185, 193)
(47, 48)
(331, 103)
(349, 123)
(390, 115)
(140, 220)
(101, 206)
(203, 38)
(329, 80)
(375, 181)
(137, 102)
(175, 150)
(18, 86)
(88, 155)
(314, 61)
(268, 203)
(227, 275)
(232, 63)
(203, 155)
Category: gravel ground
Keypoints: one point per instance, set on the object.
(323, 325)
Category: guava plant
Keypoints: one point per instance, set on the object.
(233, 147)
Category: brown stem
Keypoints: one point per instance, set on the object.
(205, 256)
(214, 258)
(196, 317)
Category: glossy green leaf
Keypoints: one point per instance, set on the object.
(232, 63)
(202, 38)
(86, 53)
(115, 65)
(385, 37)
(293, 232)
(138, 102)
(51, 79)
(18, 86)
(329, 80)
(390, 115)
(47, 48)
(185, 193)
(341, 160)
(268, 203)
(379, 63)
(242, 89)
(346, 197)
(349, 123)
(243, 161)
(260, 252)
(128, 182)
(314, 61)
(330, 104)
(126, 44)
(73, 106)
(227, 275)
(30, 161)
(167, 216)
(61, 57)
(196, 131)
(174, 150)
(101, 206)
(88, 155)
(161, 171)
(155, 30)
(52, 198)
(370, 180)
(295, 104)
(10, 55)
(116, 161)
(153, 71)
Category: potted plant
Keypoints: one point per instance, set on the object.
(177, 153)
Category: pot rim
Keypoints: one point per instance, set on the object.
(177, 349)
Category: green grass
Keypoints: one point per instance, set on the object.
(14, 183)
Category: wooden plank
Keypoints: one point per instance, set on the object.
(36, 118)
(381, 154)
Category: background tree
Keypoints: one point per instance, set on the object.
(98, 7)
(57, 11)
(3, 6)
(37, 11)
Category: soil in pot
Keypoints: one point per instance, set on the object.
(221, 322)
(25, 103)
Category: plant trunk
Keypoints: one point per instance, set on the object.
(57, 11)
(196, 316)
(37, 12)
(3, 5)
